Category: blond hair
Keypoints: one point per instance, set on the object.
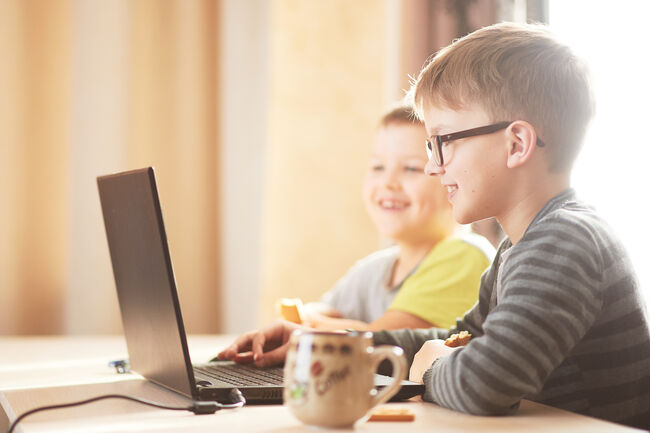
(515, 72)
(400, 114)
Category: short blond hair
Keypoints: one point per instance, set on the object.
(400, 114)
(515, 72)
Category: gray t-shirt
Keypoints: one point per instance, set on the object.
(364, 292)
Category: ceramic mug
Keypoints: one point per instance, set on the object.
(329, 376)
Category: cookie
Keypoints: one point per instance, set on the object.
(457, 340)
(392, 414)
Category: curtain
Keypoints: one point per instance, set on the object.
(91, 87)
(428, 25)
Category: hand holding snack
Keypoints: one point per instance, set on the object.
(429, 352)
(434, 349)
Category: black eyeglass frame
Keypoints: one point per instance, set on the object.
(473, 132)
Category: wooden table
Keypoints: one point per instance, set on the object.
(37, 371)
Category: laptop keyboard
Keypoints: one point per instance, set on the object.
(243, 375)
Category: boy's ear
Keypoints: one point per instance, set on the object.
(521, 143)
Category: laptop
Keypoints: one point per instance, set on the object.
(150, 308)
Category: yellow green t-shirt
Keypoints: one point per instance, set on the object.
(446, 282)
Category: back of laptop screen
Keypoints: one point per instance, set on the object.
(144, 279)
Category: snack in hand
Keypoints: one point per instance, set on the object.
(291, 310)
(457, 340)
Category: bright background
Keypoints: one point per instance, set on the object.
(258, 116)
(613, 170)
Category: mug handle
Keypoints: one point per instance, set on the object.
(396, 356)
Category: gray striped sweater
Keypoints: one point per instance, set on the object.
(560, 320)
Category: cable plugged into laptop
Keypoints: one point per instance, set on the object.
(205, 407)
(237, 399)
(197, 407)
(210, 407)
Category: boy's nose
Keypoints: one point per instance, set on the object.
(392, 179)
(433, 169)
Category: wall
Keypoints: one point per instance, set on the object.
(244, 82)
(328, 68)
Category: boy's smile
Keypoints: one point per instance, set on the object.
(392, 204)
(404, 204)
(451, 190)
(472, 171)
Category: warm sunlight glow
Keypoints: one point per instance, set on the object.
(612, 171)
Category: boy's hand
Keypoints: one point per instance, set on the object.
(265, 347)
(316, 312)
(314, 319)
(429, 352)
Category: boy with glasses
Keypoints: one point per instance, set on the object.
(560, 318)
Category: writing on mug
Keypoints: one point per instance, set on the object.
(336, 376)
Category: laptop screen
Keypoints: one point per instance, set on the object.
(144, 278)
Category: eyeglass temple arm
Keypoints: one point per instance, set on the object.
(480, 131)
(474, 131)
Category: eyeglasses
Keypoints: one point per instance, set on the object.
(434, 143)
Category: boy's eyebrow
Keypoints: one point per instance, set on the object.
(436, 130)
(411, 156)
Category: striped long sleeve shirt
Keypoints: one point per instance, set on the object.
(560, 320)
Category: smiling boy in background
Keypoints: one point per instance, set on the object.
(430, 275)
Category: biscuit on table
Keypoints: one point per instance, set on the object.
(392, 414)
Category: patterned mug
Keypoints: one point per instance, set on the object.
(329, 376)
